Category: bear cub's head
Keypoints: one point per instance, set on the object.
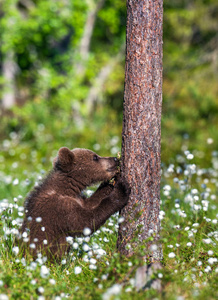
(85, 165)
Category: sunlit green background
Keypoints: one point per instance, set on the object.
(66, 94)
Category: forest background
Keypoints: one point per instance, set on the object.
(62, 73)
(62, 77)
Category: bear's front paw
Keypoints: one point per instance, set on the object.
(123, 187)
(122, 191)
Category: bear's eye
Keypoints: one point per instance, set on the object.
(95, 158)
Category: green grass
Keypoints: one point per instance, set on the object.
(95, 270)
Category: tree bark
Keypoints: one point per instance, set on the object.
(142, 129)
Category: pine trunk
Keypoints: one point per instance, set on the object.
(141, 161)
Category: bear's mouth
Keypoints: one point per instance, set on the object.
(112, 169)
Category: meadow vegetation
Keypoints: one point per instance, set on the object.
(94, 269)
(66, 96)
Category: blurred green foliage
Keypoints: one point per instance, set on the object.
(54, 80)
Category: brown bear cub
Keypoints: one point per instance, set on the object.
(56, 208)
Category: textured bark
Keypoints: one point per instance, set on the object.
(142, 127)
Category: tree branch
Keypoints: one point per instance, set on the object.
(102, 76)
(9, 69)
(87, 36)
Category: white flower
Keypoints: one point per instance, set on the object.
(3, 297)
(167, 187)
(205, 203)
(210, 252)
(87, 231)
(121, 220)
(75, 245)
(86, 247)
(190, 156)
(87, 239)
(33, 266)
(93, 261)
(186, 172)
(176, 226)
(14, 222)
(69, 240)
(212, 260)
(182, 214)
(207, 241)
(80, 240)
(114, 290)
(196, 198)
(92, 267)
(77, 270)
(189, 244)
(171, 255)
(41, 290)
(15, 250)
(197, 207)
(39, 219)
(44, 272)
(16, 181)
(207, 269)
(52, 281)
(210, 141)
(63, 262)
(161, 214)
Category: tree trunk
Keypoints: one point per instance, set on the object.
(142, 129)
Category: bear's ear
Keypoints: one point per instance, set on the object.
(65, 158)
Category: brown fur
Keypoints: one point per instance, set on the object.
(62, 208)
